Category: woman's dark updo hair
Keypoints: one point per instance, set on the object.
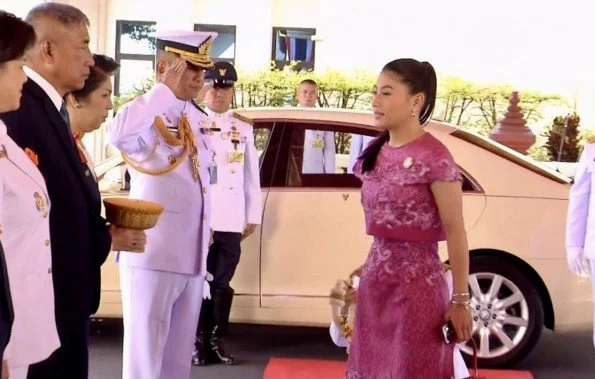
(16, 36)
(104, 68)
(419, 77)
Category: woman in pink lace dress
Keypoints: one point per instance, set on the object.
(412, 198)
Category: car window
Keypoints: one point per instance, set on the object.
(262, 133)
(268, 142)
(324, 156)
(319, 155)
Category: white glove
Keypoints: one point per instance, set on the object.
(577, 264)
(206, 288)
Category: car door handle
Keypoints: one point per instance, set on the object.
(345, 196)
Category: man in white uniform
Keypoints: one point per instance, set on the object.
(159, 136)
(358, 145)
(319, 145)
(580, 224)
(236, 203)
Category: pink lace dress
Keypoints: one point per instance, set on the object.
(403, 294)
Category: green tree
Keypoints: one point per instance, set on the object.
(132, 94)
(458, 96)
(139, 32)
(563, 140)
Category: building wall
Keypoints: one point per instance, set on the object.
(530, 45)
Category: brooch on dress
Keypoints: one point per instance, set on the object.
(408, 162)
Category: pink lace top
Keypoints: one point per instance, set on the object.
(396, 195)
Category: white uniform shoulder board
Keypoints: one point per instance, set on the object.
(243, 118)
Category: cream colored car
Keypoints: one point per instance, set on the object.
(313, 234)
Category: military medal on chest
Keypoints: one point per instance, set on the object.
(318, 142)
(183, 137)
(204, 129)
(235, 156)
(40, 203)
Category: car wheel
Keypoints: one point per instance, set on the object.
(507, 312)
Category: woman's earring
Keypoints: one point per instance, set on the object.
(413, 113)
(77, 105)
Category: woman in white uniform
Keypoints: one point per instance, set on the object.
(24, 218)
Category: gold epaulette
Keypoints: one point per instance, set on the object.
(243, 118)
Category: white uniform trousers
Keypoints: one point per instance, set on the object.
(18, 372)
(160, 311)
(592, 273)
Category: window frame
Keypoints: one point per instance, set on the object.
(221, 28)
(301, 65)
(279, 159)
(119, 56)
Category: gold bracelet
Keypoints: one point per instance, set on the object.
(462, 294)
(460, 305)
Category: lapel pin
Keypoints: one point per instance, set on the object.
(408, 162)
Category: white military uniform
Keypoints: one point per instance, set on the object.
(25, 236)
(358, 144)
(162, 288)
(319, 152)
(580, 223)
(236, 197)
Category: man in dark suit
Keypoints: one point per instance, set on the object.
(81, 239)
(6, 312)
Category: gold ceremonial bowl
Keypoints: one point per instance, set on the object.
(132, 213)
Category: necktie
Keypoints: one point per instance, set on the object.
(66, 118)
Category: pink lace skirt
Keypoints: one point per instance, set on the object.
(402, 300)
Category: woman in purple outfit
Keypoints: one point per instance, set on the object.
(412, 198)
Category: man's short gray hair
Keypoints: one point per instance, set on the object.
(64, 14)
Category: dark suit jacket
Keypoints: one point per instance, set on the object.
(6, 312)
(79, 235)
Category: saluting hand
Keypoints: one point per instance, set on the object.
(173, 73)
(202, 93)
(128, 239)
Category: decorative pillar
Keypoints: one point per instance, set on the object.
(512, 131)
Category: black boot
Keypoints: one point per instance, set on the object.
(222, 307)
(199, 355)
(204, 329)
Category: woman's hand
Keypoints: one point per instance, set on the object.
(128, 239)
(357, 271)
(351, 295)
(461, 320)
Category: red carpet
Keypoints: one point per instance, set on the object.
(282, 368)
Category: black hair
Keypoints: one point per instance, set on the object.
(419, 77)
(104, 68)
(16, 36)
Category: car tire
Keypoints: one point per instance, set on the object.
(509, 320)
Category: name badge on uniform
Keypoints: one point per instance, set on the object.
(213, 172)
(236, 157)
(318, 143)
